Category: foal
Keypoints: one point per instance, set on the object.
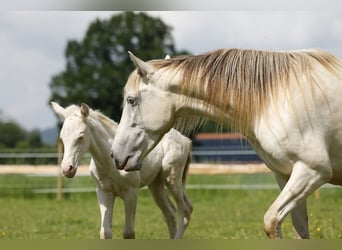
(87, 130)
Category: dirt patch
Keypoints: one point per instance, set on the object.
(195, 168)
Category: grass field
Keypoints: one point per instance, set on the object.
(218, 213)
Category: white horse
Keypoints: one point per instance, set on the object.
(288, 104)
(87, 130)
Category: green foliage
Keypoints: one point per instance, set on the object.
(14, 139)
(97, 67)
(14, 136)
(11, 134)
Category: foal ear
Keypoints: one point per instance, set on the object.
(84, 109)
(167, 57)
(60, 111)
(145, 70)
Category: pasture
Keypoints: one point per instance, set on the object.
(225, 207)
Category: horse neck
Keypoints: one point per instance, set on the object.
(194, 105)
(100, 143)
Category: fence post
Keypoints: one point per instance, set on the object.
(59, 176)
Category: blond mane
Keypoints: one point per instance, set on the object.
(244, 81)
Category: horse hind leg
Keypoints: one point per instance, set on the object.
(184, 207)
(303, 182)
(163, 202)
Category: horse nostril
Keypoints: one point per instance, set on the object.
(71, 167)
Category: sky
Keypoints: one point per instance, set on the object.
(32, 45)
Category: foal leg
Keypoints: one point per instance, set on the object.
(106, 203)
(298, 214)
(130, 198)
(163, 202)
(184, 207)
(303, 182)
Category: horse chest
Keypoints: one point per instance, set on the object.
(105, 183)
(108, 185)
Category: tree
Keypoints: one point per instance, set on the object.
(14, 136)
(97, 67)
(10, 134)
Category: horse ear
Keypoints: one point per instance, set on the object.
(167, 57)
(145, 70)
(60, 111)
(84, 109)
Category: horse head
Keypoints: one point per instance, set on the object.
(74, 135)
(147, 115)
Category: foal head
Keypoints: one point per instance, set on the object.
(74, 134)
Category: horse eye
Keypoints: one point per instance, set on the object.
(132, 100)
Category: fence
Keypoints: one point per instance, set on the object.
(199, 155)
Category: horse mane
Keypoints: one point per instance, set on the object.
(104, 120)
(244, 81)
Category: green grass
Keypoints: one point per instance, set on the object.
(218, 214)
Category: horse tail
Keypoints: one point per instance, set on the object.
(187, 165)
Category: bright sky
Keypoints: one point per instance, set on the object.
(32, 45)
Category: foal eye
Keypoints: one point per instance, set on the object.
(132, 100)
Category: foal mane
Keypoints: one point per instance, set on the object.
(104, 120)
(109, 125)
(244, 81)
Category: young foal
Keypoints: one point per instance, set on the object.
(85, 129)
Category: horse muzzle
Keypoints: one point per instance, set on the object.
(69, 170)
(128, 164)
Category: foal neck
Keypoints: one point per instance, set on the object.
(102, 137)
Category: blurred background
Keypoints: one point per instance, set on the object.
(73, 57)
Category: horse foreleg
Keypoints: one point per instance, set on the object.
(303, 182)
(106, 203)
(298, 214)
(130, 203)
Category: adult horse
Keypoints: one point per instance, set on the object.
(87, 130)
(288, 105)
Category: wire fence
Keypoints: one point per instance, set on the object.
(46, 164)
(216, 155)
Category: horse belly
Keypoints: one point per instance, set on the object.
(337, 177)
(336, 165)
(334, 142)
